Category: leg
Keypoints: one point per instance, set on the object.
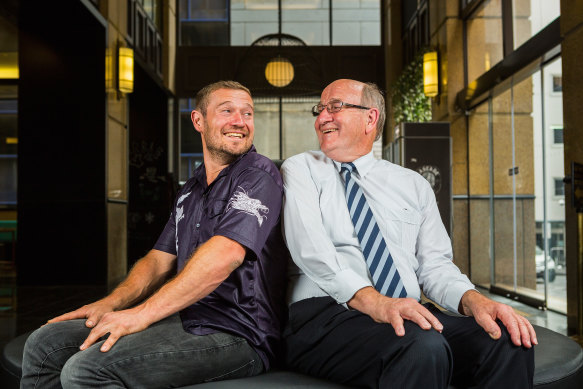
(326, 340)
(46, 351)
(164, 355)
(480, 361)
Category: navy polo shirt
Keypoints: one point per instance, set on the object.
(243, 203)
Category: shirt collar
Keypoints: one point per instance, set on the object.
(363, 164)
(200, 172)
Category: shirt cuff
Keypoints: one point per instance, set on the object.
(345, 285)
(454, 295)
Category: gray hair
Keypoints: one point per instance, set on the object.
(373, 97)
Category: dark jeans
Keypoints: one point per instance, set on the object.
(326, 340)
(162, 356)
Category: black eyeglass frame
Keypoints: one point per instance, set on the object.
(316, 111)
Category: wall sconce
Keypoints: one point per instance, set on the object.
(125, 70)
(9, 65)
(279, 72)
(430, 74)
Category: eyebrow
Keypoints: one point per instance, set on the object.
(230, 102)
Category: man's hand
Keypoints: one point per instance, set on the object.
(92, 312)
(486, 312)
(116, 324)
(383, 309)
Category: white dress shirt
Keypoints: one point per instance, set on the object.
(324, 245)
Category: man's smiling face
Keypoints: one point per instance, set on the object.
(342, 134)
(228, 128)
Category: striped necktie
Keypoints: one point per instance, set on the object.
(380, 262)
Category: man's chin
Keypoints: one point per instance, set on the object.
(228, 156)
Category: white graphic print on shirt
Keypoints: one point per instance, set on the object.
(242, 202)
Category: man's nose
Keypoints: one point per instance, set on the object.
(324, 117)
(237, 119)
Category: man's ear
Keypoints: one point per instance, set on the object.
(197, 120)
(372, 119)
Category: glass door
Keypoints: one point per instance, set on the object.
(527, 198)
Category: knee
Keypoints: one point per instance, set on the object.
(429, 348)
(505, 350)
(423, 351)
(421, 348)
(76, 372)
(43, 341)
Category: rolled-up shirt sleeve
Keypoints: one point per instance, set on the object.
(311, 247)
(439, 278)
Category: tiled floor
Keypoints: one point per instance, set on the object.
(38, 304)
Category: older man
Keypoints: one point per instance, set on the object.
(367, 239)
(224, 242)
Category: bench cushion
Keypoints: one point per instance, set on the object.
(558, 364)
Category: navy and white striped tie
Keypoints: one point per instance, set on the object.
(378, 258)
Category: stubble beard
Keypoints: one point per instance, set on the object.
(221, 153)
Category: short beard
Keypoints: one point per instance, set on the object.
(225, 157)
(221, 154)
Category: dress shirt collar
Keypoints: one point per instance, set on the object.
(363, 164)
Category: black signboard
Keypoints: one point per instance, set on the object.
(426, 149)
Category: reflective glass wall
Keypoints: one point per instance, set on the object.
(284, 125)
(316, 22)
(516, 181)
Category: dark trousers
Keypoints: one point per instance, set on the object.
(324, 339)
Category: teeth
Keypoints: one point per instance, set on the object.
(234, 135)
(329, 130)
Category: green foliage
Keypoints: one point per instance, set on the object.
(409, 102)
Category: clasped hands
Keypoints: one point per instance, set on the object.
(485, 311)
(103, 319)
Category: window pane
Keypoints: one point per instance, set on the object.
(298, 126)
(559, 187)
(252, 19)
(356, 22)
(557, 84)
(298, 133)
(190, 141)
(307, 20)
(477, 246)
(555, 200)
(204, 22)
(531, 16)
(485, 46)
(558, 135)
(204, 33)
(267, 126)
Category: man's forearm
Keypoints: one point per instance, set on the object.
(210, 265)
(144, 279)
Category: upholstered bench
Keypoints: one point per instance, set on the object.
(558, 364)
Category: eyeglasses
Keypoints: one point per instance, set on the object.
(334, 106)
